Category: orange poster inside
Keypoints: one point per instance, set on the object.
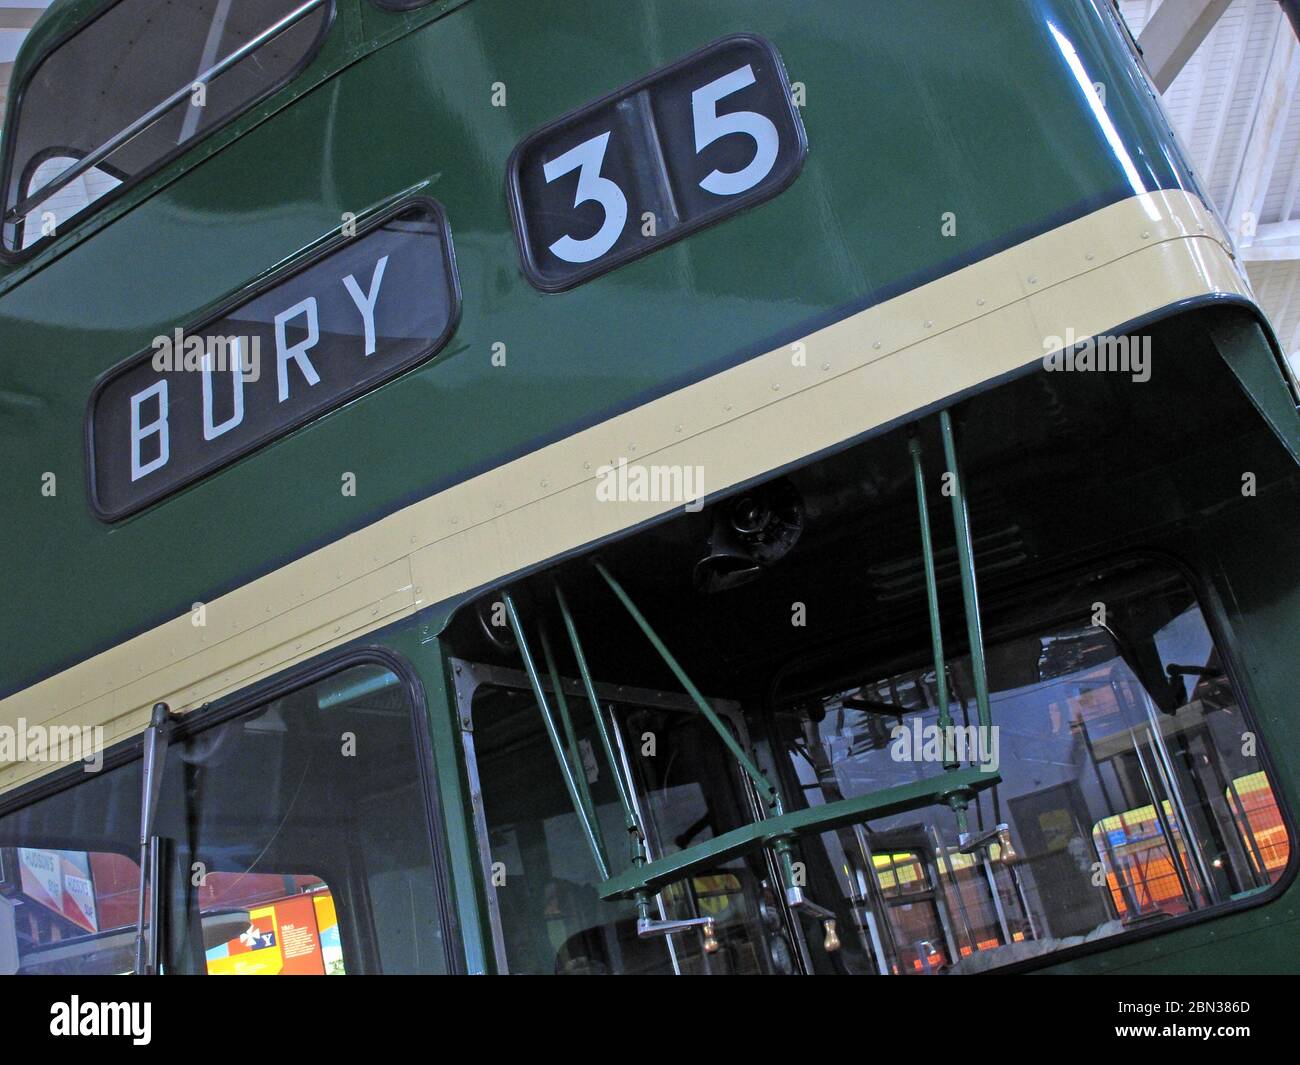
(282, 939)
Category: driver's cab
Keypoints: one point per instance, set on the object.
(823, 771)
(547, 916)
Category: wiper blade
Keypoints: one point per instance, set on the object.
(156, 738)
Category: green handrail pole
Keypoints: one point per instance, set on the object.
(624, 796)
(765, 788)
(957, 803)
(966, 557)
(566, 770)
(562, 706)
(785, 831)
(932, 600)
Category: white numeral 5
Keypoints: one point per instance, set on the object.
(586, 159)
(709, 126)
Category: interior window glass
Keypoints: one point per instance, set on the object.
(1131, 791)
(316, 795)
(70, 879)
(117, 69)
(544, 880)
(295, 838)
(72, 199)
(65, 911)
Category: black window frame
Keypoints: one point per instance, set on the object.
(253, 698)
(1216, 623)
(735, 205)
(18, 99)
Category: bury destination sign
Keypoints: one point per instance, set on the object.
(364, 309)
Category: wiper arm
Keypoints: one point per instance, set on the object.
(156, 738)
(1174, 670)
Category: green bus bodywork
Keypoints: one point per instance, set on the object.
(912, 111)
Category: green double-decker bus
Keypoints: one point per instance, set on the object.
(572, 487)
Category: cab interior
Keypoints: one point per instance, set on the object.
(799, 604)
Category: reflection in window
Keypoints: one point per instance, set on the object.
(315, 796)
(72, 199)
(1259, 820)
(1139, 867)
(1126, 790)
(67, 912)
(117, 69)
(295, 838)
(267, 925)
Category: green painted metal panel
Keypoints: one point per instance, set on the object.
(912, 111)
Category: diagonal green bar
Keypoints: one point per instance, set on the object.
(566, 770)
(764, 786)
(932, 600)
(966, 558)
(624, 796)
(566, 721)
(883, 803)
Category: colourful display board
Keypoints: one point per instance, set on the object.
(294, 936)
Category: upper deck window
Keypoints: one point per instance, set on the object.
(132, 88)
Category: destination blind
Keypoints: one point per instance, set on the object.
(363, 310)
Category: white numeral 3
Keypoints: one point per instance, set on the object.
(586, 159)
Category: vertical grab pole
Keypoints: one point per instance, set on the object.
(770, 796)
(562, 707)
(782, 846)
(769, 793)
(646, 925)
(589, 686)
(566, 770)
(966, 557)
(932, 600)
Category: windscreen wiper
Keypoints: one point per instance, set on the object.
(156, 738)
